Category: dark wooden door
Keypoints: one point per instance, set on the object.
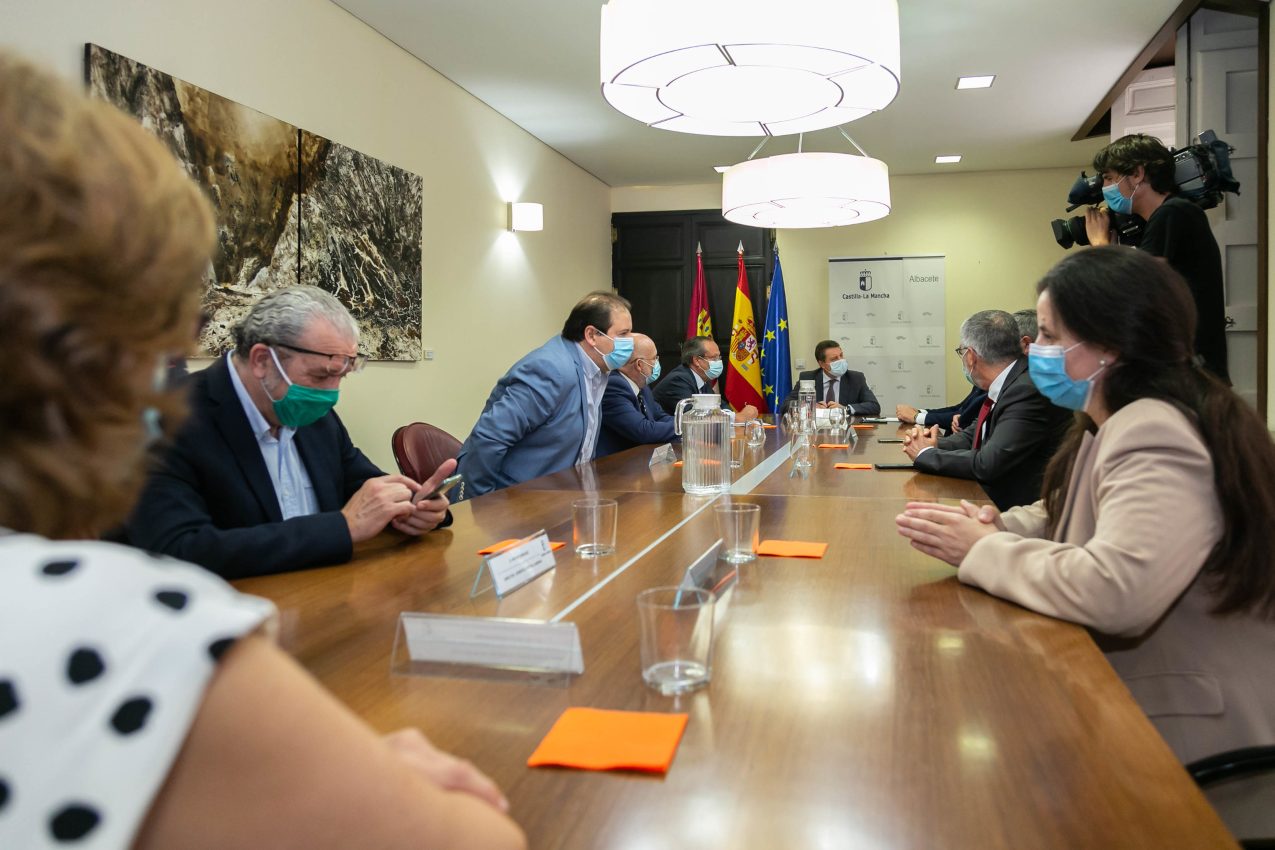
(653, 265)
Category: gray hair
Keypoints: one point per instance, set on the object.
(994, 336)
(281, 317)
(1026, 320)
(694, 347)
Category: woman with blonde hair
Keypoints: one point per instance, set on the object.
(142, 702)
(1156, 524)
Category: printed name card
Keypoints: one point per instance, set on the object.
(516, 564)
(529, 646)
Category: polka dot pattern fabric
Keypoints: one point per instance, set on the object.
(105, 654)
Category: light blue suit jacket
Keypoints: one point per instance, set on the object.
(534, 421)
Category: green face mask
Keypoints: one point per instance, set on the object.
(300, 406)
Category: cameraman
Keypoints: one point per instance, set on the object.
(1138, 178)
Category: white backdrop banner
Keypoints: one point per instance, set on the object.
(888, 314)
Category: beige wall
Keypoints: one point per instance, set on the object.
(489, 295)
(993, 228)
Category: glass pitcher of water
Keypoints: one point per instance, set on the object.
(706, 430)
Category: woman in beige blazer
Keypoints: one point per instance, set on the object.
(1156, 523)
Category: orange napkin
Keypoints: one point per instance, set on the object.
(792, 549)
(768, 427)
(863, 427)
(853, 466)
(594, 739)
(834, 445)
(554, 545)
(677, 463)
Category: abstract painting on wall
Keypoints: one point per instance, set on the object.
(292, 207)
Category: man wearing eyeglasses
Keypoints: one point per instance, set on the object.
(1008, 445)
(262, 478)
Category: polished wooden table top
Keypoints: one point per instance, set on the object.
(863, 700)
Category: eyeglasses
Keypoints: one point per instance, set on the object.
(338, 364)
(961, 349)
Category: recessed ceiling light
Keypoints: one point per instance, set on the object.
(720, 169)
(943, 160)
(984, 82)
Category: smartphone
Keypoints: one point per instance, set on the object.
(894, 466)
(889, 439)
(448, 483)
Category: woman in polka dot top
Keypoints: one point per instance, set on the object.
(142, 702)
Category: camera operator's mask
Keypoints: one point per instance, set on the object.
(1117, 202)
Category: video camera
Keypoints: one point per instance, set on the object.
(1202, 172)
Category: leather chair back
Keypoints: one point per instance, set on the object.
(420, 447)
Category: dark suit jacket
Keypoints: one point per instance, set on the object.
(680, 383)
(623, 423)
(853, 390)
(968, 409)
(1023, 430)
(210, 500)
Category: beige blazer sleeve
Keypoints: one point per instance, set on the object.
(1027, 520)
(1142, 517)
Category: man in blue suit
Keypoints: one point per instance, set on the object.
(630, 415)
(543, 415)
(262, 477)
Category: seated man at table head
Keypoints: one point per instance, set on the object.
(544, 414)
(700, 372)
(143, 702)
(262, 478)
(630, 415)
(836, 384)
(1008, 445)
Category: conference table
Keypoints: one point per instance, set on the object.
(863, 700)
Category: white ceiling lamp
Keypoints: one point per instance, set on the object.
(748, 67)
(806, 190)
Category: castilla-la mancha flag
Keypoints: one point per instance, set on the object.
(743, 371)
(699, 323)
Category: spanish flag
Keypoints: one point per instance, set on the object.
(743, 373)
(699, 323)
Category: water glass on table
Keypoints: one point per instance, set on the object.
(676, 638)
(737, 526)
(738, 442)
(593, 524)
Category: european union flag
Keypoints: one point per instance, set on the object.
(776, 362)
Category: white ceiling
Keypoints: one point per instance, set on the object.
(536, 62)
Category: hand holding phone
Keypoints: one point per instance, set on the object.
(441, 490)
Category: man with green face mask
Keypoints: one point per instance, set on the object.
(263, 478)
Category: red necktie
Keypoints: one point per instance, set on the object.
(982, 417)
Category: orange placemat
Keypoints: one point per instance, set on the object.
(792, 549)
(853, 466)
(677, 463)
(768, 427)
(596, 739)
(834, 445)
(863, 427)
(554, 545)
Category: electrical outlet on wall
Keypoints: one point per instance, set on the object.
(801, 363)
(429, 354)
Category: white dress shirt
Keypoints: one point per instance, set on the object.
(291, 481)
(595, 384)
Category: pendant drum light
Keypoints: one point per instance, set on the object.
(747, 67)
(806, 190)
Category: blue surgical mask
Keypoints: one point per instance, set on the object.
(715, 369)
(621, 351)
(1048, 367)
(655, 373)
(1117, 202)
(838, 368)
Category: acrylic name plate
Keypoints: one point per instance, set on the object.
(451, 645)
(663, 454)
(516, 564)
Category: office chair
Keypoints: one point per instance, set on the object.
(420, 447)
(1240, 785)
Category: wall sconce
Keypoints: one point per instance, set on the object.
(526, 217)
